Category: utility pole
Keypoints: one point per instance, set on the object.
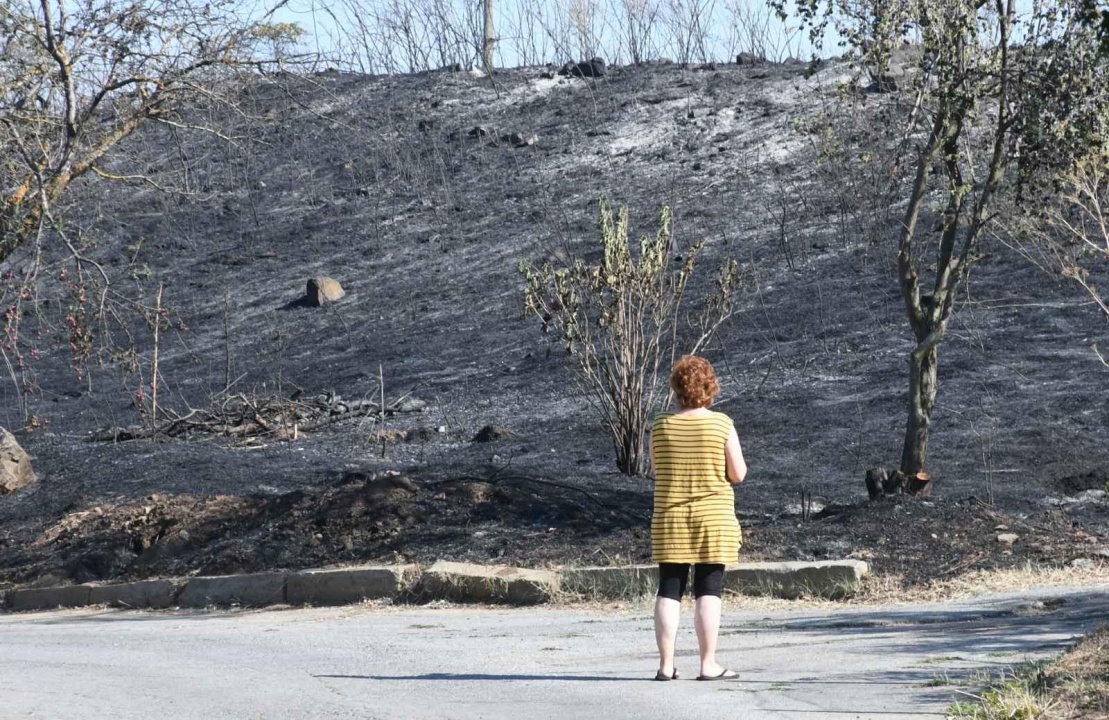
(487, 44)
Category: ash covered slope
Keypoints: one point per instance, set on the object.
(382, 183)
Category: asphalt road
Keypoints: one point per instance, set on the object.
(418, 662)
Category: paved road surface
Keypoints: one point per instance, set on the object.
(412, 662)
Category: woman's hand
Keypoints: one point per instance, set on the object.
(733, 456)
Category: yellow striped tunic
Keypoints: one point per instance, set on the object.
(694, 518)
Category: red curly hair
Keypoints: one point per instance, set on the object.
(694, 382)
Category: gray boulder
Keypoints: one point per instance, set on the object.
(15, 465)
(324, 291)
(594, 68)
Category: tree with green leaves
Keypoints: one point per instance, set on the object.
(966, 132)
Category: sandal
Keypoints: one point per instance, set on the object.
(725, 674)
(660, 676)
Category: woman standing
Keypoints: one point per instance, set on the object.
(697, 458)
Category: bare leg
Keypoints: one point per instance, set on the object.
(667, 614)
(706, 619)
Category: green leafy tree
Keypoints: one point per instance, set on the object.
(966, 129)
(623, 317)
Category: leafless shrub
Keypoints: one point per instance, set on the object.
(391, 36)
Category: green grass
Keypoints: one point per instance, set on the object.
(1020, 698)
(1074, 685)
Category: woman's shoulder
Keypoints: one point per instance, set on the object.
(723, 418)
(661, 418)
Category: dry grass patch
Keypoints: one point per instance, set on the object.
(884, 589)
(1079, 680)
(1073, 687)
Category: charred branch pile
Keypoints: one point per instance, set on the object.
(246, 416)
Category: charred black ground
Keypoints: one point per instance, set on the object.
(381, 183)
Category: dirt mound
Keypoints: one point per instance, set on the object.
(359, 518)
(499, 517)
(925, 540)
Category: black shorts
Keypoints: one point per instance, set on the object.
(708, 579)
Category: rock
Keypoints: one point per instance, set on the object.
(425, 126)
(1007, 538)
(594, 68)
(478, 131)
(324, 291)
(410, 404)
(491, 433)
(746, 59)
(1102, 552)
(813, 506)
(1082, 563)
(421, 433)
(523, 139)
(15, 465)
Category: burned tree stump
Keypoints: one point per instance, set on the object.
(894, 483)
(919, 484)
(880, 483)
(875, 478)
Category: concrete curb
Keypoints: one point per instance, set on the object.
(350, 585)
(243, 590)
(460, 582)
(464, 582)
(610, 583)
(832, 579)
(49, 598)
(158, 594)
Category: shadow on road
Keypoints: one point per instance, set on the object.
(486, 676)
(1010, 628)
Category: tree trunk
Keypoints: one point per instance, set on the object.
(487, 37)
(631, 455)
(923, 364)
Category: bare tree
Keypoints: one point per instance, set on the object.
(622, 318)
(76, 81)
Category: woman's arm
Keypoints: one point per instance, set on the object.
(733, 456)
